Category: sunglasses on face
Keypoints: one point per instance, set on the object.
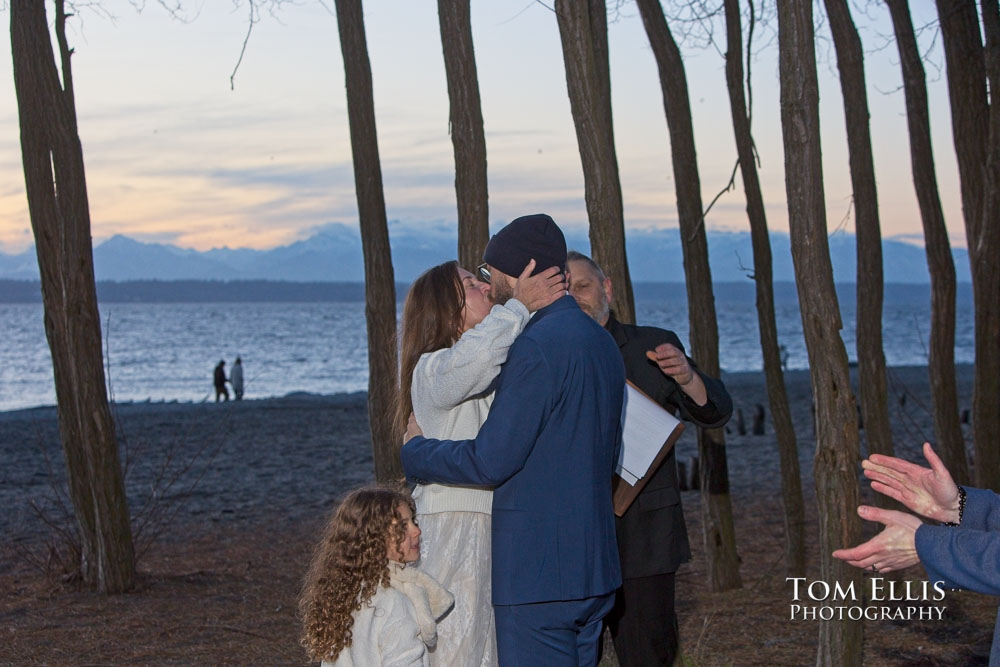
(484, 273)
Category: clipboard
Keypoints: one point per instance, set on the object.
(642, 429)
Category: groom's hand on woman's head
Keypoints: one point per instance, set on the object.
(540, 290)
(412, 429)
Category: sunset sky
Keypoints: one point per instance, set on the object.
(174, 155)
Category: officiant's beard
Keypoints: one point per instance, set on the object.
(599, 312)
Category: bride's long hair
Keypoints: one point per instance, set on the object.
(432, 320)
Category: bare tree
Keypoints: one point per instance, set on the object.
(380, 287)
(583, 29)
(467, 138)
(970, 125)
(987, 273)
(60, 219)
(871, 358)
(835, 467)
(717, 510)
(940, 263)
(784, 430)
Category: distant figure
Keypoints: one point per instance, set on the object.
(236, 379)
(758, 419)
(783, 351)
(220, 381)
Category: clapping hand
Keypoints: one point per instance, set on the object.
(929, 492)
(892, 549)
(538, 291)
(412, 429)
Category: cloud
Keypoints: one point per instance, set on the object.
(285, 176)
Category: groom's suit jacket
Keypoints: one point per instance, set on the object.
(549, 447)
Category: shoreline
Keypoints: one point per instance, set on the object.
(177, 404)
(739, 377)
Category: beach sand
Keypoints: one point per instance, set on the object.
(234, 494)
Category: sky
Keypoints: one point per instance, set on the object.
(175, 155)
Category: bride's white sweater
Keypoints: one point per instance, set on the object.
(452, 394)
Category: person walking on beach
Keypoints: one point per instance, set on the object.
(454, 341)
(549, 447)
(652, 536)
(236, 379)
(220, 381)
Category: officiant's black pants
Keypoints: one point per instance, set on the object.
(643, 624)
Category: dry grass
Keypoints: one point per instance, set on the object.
(221, 600)
(230, 598)
(752, 626)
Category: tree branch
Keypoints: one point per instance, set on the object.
(246, 40)
(729, 186)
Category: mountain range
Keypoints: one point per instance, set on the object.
(333, 253)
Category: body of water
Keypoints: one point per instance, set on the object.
(166, 351)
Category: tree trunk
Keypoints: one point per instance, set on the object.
(784, 430)
(467, 138)
(872, 383)
(60, 219)
(835, 469)
(717, 512)
(970, 125)
(940, 264)
(380, 287)
(583, 29)
(986, 277)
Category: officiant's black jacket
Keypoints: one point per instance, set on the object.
(652, 536)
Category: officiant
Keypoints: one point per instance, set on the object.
(652, 536)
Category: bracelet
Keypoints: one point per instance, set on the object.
(961, 508)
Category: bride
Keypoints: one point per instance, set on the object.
(454, 342)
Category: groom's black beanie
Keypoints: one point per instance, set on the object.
(529, 237)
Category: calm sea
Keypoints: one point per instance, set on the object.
(166, 351)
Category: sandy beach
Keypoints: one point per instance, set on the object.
(236, 492)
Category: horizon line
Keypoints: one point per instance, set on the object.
(911, 239)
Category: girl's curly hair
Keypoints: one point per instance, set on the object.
(348, 566)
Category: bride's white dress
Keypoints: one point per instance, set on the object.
(455, 550)
(451, 400)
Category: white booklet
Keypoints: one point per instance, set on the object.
(648, 433)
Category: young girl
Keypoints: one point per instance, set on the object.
(361, 605)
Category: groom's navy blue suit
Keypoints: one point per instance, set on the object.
(549, 447)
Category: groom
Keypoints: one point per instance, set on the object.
(549, 447)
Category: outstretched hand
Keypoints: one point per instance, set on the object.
(540, 290)
(929, 492)
(892, 549)
(412, 429)
(672, 362)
